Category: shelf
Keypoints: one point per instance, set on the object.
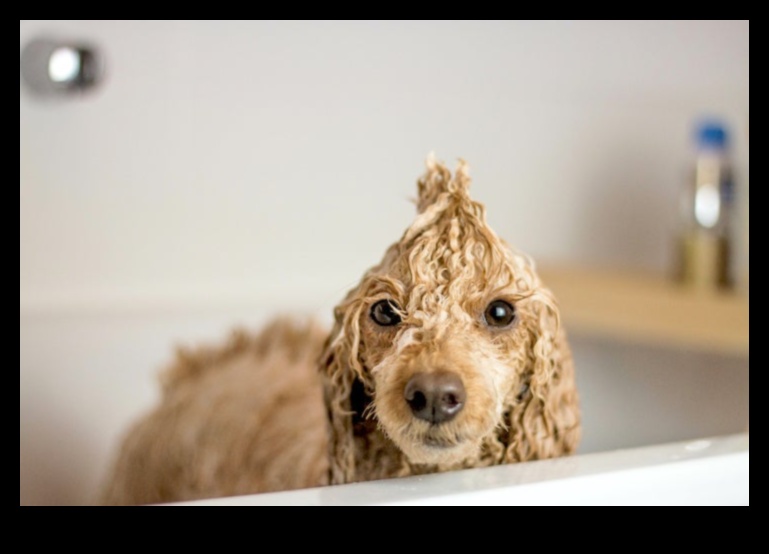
(650, 309)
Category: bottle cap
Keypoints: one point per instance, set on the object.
(711, 134)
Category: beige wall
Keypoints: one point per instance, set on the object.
(231, 161)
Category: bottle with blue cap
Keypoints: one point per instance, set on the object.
(706, 210)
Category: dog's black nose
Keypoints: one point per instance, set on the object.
(435, 397)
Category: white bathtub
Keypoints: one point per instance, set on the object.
(85, 377)
(713, 471)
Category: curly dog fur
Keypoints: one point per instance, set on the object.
(296, 407)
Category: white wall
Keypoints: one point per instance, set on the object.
(230, 160)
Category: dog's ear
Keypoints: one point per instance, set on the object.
(543, 415)
(344, 390)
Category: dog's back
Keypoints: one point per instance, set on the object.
(243, 418)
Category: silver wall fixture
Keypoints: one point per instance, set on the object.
(60, 68)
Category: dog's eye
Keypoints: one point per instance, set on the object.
(499, 314)
(385, 313)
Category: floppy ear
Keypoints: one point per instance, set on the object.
(544, 414)
(344, 390)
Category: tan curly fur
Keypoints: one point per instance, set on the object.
(256, 415)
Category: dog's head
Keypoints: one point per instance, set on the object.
(450, 349)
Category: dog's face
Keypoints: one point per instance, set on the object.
(446, 350)
(449, 333)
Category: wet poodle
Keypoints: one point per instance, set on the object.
(448, 354)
